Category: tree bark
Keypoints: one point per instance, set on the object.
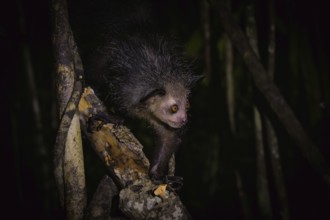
(230, 89)
(121, 153)
(272, 141)
(272, 94)
(262, 179)
(68, 153)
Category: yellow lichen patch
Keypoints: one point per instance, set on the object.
(107, 144)
(71, 106)
(122, 157)
(104, 141)
(114, 146)
(111, 141)
(84, 105)
(106, 158)
(160, 190)
(63, 68)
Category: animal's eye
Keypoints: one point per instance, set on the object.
(174, 108)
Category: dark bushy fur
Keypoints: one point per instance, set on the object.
(139, 66)
(126, 59)
(129, 56)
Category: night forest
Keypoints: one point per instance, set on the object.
(257, 144)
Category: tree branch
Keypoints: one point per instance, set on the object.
(68, 153)
(262, 180)
(101, 203)
(123, 156)
(119, 150)
(272, 141)
(272, 93)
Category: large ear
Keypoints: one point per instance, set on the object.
(153, 93)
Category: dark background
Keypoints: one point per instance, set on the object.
(211, 154)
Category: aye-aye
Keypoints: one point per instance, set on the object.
(135, 69)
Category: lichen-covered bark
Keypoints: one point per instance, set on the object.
(68, 154)
(119, 150)
(139, 202)
(74, 172)
(123, 155)
(101, 203)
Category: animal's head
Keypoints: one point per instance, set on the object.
(169, 105)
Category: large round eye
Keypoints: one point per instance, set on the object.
(174, 108)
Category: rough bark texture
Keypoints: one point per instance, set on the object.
(100, 206)
(123, 155)
(68, 153)
(119, 150)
